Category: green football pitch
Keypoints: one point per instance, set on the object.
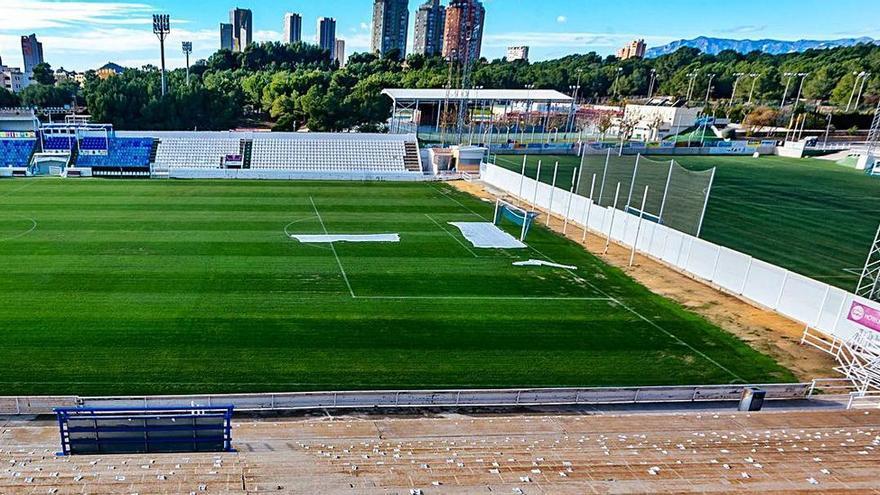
(146, 287)
(811, 216)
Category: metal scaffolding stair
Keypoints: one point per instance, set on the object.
(859, 359)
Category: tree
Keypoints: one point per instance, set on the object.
(760, 118)
(43, 74)
(8, 99)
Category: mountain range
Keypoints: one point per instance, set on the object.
(713, 46)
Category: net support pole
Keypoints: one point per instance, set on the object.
(552, 193)
(666, 191)
(522, 176)
(632, 254)
(574, 180)
(537, 183)
(588, 209)
(604, 175)
(706, 202)
(611, 224)
(632, 184)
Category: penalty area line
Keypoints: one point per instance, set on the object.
(488, 298)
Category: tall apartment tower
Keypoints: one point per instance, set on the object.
(515, 53)
(430, 23)
(32, 51)
(327, 35)
(292, 28)
(226, 41)
(633, 49)
(390, 26)
(242, 21)
(339, 54)
(463, 34)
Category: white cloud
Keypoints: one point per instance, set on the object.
(589, 41)
(26, 15)
(562, 19)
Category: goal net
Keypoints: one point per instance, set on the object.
(506, 211)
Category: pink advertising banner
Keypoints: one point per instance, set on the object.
(865, 316)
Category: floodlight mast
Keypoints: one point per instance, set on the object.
(162, 28)
(187, 50)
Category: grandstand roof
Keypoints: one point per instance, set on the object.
(550, 95)
(299, 136)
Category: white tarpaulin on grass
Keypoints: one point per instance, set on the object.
(487, 235)
(318, 239)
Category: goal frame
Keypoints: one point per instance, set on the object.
(528, 216)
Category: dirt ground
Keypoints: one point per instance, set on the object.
(764, 330)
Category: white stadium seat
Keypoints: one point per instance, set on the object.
(329, 155)
(195, 152)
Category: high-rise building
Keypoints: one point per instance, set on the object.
(463, 33)
(292, 28)
(32, 51)
(517, 53)
(390, 26)
(430, 23)
(340, 52)
(633, 49)
(226, 41)
(242, 21)
(327, 35)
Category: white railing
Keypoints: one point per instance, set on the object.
(868, 400)
(419, 398)
(817, 305)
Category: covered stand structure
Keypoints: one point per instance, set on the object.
(493, 116)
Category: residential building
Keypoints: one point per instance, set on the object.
(13, 79)
(226, 42)
(242, 21)
(109, 70)
(633, 49)
(292, 28)
(430, 23)
(339, 52)
(390, 26)
(32, 52)
(327, 35)
(463, 33)
(517, 53)
(660, 117)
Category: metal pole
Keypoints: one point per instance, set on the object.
(785, 92)
(522, 176)
(552, 193)
(604, 175)
(589, 208)
(853, 93)
(861, 88)
(706, 202)
(613, 213)
(797, 101)
(632, 183)
(570, 197)
(752, 91)
(666, 191)
(632, 254)
(537, 183)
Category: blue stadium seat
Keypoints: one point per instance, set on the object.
(93, 144)
(16, 152)
(123, 152)
(57, 143)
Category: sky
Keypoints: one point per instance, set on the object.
(85, 34)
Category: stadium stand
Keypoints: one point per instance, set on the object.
(58, 143)
(94, 144)
(16, 152)
(121, 152)
(195, 152)
(330, 154)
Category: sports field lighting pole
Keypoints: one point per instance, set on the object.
(738, 76)
(552, 191)
(754, 82)
(574, 95)
(651, 86)
(162, 28)
(789, 75)
(709, 87)
(187, 50)
(803, 76)
(529, 88)
(865, 78)
(855, 85)
(616, 79)
(693, 79)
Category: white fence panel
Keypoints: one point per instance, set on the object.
(659, 238)
(764, 284)
(732, 269)
(702, 259)
(832, 311)
(672, 249)
(802, 299)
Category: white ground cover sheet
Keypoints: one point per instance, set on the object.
(329, 238)
(544, 263)
(487, 235)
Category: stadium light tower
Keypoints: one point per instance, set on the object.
(709, 87)
(788, 75)
(858, 75)
(693, 78)
(738, 76)
(162, 28)
(653, 80)
(754, 77)
(865, 77)
(803, 76)
(187, 50)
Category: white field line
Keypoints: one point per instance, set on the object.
(7, 193)
(22, 234)
(333, 249)
(456, 239)
(489, 298)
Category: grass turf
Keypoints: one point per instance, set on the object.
(810, 216)
(146, 287)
